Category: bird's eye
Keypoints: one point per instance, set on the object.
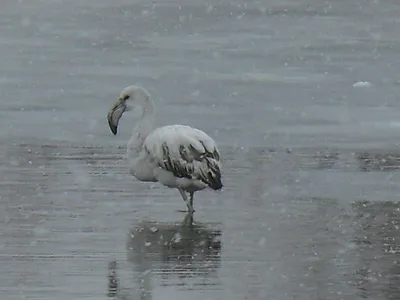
(126, 97)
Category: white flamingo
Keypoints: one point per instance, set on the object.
(177, 156)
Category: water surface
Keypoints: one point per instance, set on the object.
(309, 208)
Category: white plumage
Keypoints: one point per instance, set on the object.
(177, 156)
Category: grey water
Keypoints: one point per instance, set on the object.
(301, 96)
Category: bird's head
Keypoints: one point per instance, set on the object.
(128, 97)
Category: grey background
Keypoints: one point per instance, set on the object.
(309, 209)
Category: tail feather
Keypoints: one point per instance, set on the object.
(215, 182)
(211, 174)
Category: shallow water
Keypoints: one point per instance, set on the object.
(309, 209)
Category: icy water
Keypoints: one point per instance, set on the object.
(310, 205)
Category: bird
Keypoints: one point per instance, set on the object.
(176, 156)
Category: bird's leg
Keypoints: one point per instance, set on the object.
(191, 198)
(188, 220)
(185, 198)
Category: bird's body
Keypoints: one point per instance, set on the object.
(177, 156)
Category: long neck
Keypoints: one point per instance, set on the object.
(142, 128)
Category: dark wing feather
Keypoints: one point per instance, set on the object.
(188, 159)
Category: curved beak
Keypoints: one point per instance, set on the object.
(115, 114)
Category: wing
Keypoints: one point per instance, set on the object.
(186, 152)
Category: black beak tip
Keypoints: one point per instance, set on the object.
(113, 128)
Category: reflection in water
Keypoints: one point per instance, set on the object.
(378, 243)
(112, 278)
(180, 253)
